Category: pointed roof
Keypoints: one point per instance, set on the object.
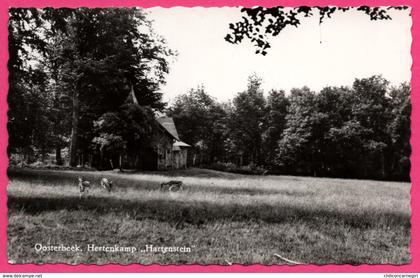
(131, 97)
(168, 124)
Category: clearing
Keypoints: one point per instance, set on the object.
(223, 218)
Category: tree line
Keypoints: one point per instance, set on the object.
(362, 131)
(71, 72)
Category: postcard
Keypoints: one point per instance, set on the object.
(237, 137)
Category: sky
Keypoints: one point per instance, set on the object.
(345, 47)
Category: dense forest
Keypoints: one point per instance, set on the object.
(71, 71)
(361, 131)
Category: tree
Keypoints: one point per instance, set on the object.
(34, 91)
(91, 58)
(258, 24)
(296, 149)
(347, 150)
(371, 109)
(103, 53)
(26, 120)
(275, 119)
(247, 122)
(334, 103)
(399, 130)
(128, 131)
(200, 121)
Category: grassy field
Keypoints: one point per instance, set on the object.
(223, 218)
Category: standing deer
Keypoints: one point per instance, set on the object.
(84, 186)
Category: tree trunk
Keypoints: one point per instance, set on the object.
(136, 162)
(120, 163)
(74, 128)
(58, 158)
(383, 165)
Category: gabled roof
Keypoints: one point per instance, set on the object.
(181, 144)
(169, 125)
(178, 145)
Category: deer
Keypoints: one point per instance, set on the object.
(106, 184)
(171, 186)
(84, 186)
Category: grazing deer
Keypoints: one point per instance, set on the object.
(106, 184)
(171, 186)
(84, 185)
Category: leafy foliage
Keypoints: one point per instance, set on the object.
(70, 67)
(259, 24)
(361, 131)
(201, 122)
(275, 119)
(247, 122)
(347, 132)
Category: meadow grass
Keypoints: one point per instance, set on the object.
(224, 218)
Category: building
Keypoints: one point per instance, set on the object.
(172, 153)
(168, 151)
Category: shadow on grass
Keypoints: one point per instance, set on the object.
(200, 212)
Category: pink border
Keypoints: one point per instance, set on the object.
(415, 139)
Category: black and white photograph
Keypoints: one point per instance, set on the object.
(209, 136)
